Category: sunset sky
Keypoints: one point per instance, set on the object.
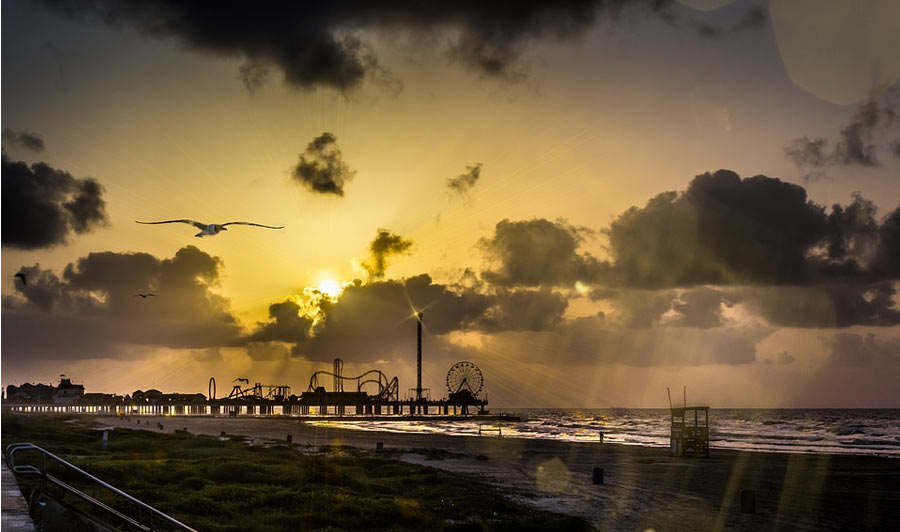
(591, 202)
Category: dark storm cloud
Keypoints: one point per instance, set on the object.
(383, 246)
(91, 311)
(817, 306)
(24, 139)
(285, 324)
(267, 351)
(317, 44)
(590, 341)
(758, 243)
(637, 309)
(42, 206)
(721, 230)
(44, 289)
(371, 320)
(852, 230)
(322, 168)
(724, 230)
(854, 350)
(857, 141)
(697, 307)
(857, 247)
(538, 252)
(825, 306)
(522, 310)
(700, 308)
(464, 182)
(687, 259)
(895, 148)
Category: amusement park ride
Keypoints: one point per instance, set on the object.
(370, 393)
(257, 391)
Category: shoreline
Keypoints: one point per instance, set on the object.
(644, 488)
(369, 424)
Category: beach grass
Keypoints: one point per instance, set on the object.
(230, 484)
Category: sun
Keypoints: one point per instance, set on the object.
(330, 287)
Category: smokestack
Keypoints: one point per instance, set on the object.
(418, 356)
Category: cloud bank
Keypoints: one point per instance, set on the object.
(322, 45)
(43, 206)
(90, 311)
(725, 230)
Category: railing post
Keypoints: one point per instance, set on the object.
(43, 473)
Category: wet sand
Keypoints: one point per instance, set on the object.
(644, 488)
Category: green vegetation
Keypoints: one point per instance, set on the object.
(225, 484)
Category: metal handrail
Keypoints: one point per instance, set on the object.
(28, 469)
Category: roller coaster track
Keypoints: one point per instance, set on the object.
(257, 391)
(388, 390)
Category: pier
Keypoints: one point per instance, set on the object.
(369, 395)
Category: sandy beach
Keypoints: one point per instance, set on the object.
(644, 488)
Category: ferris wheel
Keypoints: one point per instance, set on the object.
(465, 376)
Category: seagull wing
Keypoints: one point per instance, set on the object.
(196, 224)
(257, 225)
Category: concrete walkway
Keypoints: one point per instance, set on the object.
(14, 516)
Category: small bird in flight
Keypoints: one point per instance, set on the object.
(145, 296)
(21, 275)
(210, 229)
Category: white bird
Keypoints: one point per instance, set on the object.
(209, 229)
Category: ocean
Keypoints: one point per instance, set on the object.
(825, 431)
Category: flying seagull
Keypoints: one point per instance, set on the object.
(145, 296)
(209, 229)
(21, 275)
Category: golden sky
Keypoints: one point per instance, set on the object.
(588, 115)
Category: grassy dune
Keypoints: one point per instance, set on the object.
(225, 484)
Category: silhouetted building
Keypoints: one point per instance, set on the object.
(97, 399)
(67, 393)
(30, 393)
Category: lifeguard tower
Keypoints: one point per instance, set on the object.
(689, 437)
